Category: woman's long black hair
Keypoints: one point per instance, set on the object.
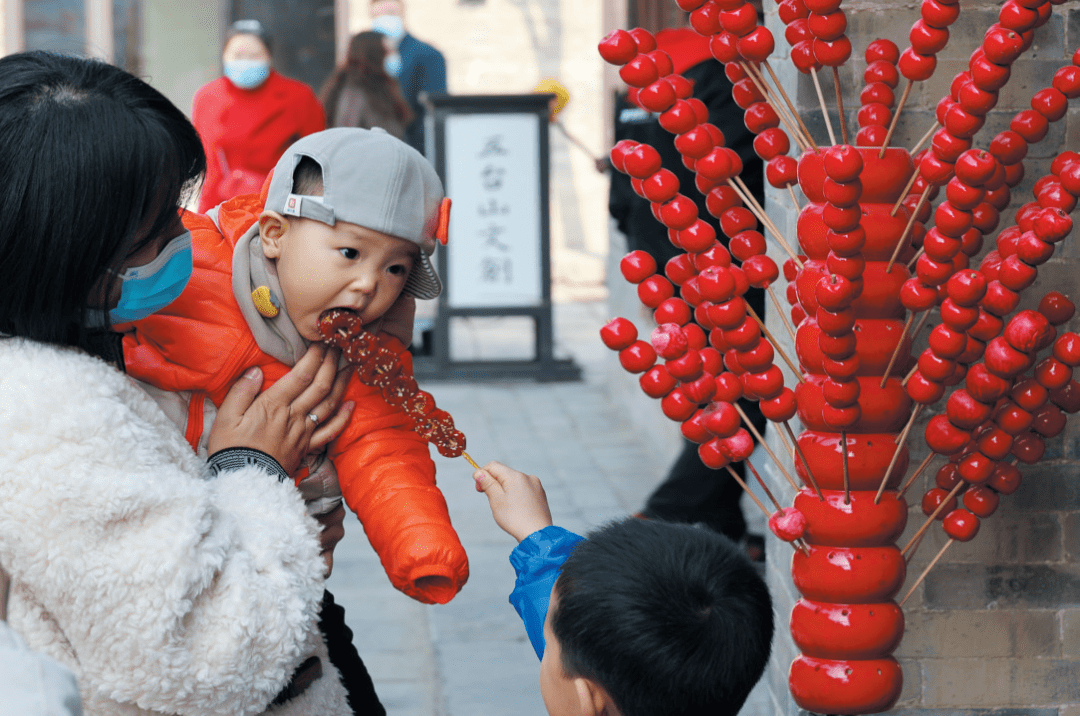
(363, 67)
(88, 155)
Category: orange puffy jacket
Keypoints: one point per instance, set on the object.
(201, 343)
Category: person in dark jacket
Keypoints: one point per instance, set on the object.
(691, 492)
(418, 66)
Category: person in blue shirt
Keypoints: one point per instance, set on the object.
(641, 618)
(417, 66)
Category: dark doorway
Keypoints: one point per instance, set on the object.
(301, 32)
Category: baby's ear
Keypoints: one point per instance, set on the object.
(272, 229)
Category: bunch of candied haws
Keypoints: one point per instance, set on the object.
(380, 367)
(867, 268)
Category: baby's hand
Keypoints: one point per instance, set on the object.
(517, 500)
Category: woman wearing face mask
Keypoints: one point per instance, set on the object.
(249, 117)
(361, 94)
(167, 584)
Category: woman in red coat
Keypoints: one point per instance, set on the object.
(249, 117)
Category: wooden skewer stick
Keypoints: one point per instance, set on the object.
(904, 193)
(933, 516)
(787, 99)
(904, 382)
(896, 454)
(926, 571)
(793, 115)
(821, 101)
(776, 345)
(768, 450)
(896, 351)
(920, 252)
(907, 229)
(759, 213)
(470, 460)
(765, 510)
(914, 547)
(896, 117)
(794, 199)
(802, 459)
(918, 471)
(840, 103)
(901, 437)
(781, 113)
(918, 145)
(768, 492)
(914, 335)
(847, 478)
(780, 312)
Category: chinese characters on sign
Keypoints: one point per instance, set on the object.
(493, 177)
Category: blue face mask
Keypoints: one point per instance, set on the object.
(392, 64)
(144, 290)
(247, 74)
(390, 25)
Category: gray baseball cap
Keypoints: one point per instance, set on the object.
(373, 180)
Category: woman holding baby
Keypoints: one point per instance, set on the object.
(166, 584)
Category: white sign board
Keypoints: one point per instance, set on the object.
(493, 178)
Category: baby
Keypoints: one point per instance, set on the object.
(347, 220)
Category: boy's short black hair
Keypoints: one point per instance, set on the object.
(670, 619)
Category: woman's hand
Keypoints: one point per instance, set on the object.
(291, 416)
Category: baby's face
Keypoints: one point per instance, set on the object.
(342, 266)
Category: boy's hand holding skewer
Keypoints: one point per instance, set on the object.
(518, 502)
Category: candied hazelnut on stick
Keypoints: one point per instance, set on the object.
(378, 367)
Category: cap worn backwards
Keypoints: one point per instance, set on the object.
(373, 180)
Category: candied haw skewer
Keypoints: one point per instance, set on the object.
(877, 97)
(381, 368)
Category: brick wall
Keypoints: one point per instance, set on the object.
(996, 627)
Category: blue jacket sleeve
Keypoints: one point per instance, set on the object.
(538, 561)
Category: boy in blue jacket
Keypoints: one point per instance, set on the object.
(642, 618)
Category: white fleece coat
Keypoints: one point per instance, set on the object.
(165, 591)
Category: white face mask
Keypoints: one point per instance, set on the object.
(390, 25)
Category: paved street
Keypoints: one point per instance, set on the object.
(471, 657)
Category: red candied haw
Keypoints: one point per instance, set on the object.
(680, 269)
(841, 418)
(657, 97)
(745, 93)
(967, 287)
(1009, 147)
(760, 116)
(951, 221)
(842, 195)
(957, 317)
(1050, 103)
(662, 60)
(694, 430)
(835, 323)
(1032, 250)
(961, 525)
(1030, 125)
(975, 100)
(660, 187)
(738, 447)
(838, 347)
(924, 391)
(932, 273)
(618, 333)
(827, 26)
(832, 54)
(400, 389)
(934, 367)
(802, 56)
(963, 196)
(882, 49)
(642, 162)
(679, 118)
(673, 310)
(744, 336)
(999, 300)
(700, 390)
(637, 266)
(676, 406)
(842, 163)
(757, 358)
(1048, 421)
(946, 342)
(934, 170)
(771, 143)
(746, 244)
(712, 456)
(874, 115)
(641, 71)
(1067, 81)
(781, 171)
(938, 13)
(791, 10)
(765, 384)
(656, 382)
(878, 92)
(1067, 398)
(1052, 224)
(985, 218)
(757, 44)
(760, 270)
(882, 71)
(1029, 448)
(638, 357)
(974, 167)
(927, 39)
(987, 75)
(728, 387)
(844, 369)
(917, 297)
(981, 500)
(696, 238)
(933, 499)
(1052, 373)
(1067, 349)
(1016, 275)
(679, 213)
(848, 243)
(797, 31)
(717, 255)
(740, 20)
(724, 45)
(696, 143)
(947, 477)
(1002, 46)
(618, 47)
(655, 290)
(1016, 17)
(916, 67)
(841, 218)
(962, 123)
(840, 394)
(781, 407)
